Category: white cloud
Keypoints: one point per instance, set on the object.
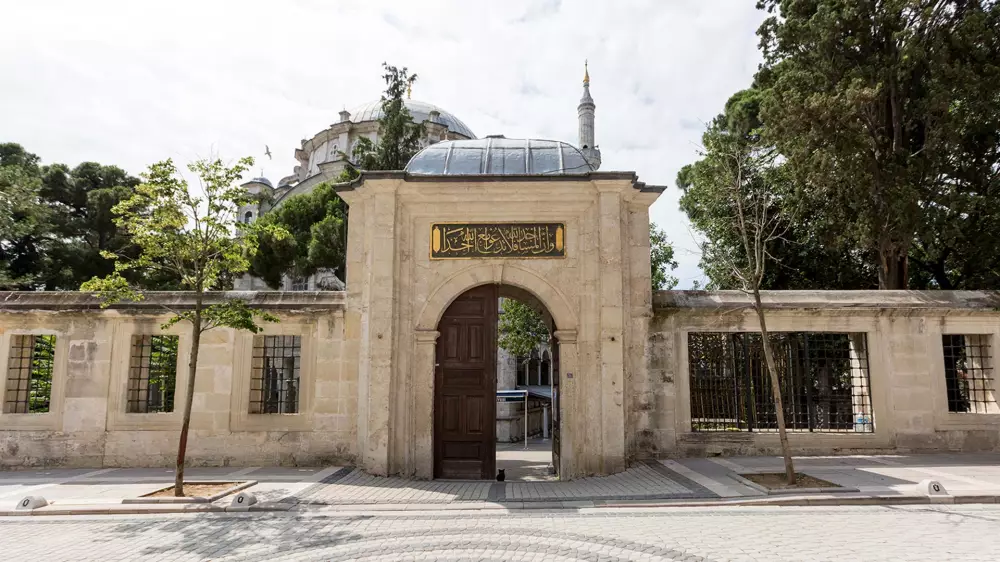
(129, 83)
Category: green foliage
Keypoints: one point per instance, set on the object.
(733, 195)
(801, 257)
(56, 221)
(398, 136)
(886, 115)
(42, 362)
(197, 238)
(23, 219)
(194, 237)
(886, 123)
(520, 328)
(163, 369)
(306, 233)
(231, 313)
(317, 221)
(661, 260)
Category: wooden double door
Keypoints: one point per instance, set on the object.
(465, 387)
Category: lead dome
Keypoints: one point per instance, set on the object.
(499, 156)
(420, 111)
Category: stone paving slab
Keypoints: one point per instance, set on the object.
(966, 473)
(111, 486)
(646, 480)
(759, 534)
(880, 479)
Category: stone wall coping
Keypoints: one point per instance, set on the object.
(511, 178)
(70, 301)
(830, 300)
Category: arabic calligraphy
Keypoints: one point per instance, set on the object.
(498, 240)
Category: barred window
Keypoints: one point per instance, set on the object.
(968, 374)
(823, 376)
(274, 381)
(300, 284)
(152, 374)
(29, 374)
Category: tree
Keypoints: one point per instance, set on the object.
(196, 237)
(317, 224)
(743, 173)
(82, 223)
(804, 257)
(398, 136)
(876, 107)
(317, 221)
(23, 219)
(661, 260)
(520, 328)
(57, 221)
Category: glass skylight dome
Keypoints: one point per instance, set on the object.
(498, 156)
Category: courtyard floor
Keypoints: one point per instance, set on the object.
(529, 463)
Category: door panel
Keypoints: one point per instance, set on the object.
(465, 387)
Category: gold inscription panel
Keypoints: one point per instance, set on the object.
(498, 240)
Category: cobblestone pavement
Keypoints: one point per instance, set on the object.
(646, 480)
(862, 533)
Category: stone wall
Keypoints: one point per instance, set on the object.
(906, 367)
(87, 424)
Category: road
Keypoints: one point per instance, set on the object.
(859, 533)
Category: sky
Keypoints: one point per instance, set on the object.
(133, 82)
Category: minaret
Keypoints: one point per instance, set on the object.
(585, 114)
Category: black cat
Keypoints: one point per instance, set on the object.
(501, 476)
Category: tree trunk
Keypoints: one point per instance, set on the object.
(775, 389)
(893, 271)
(188, 399)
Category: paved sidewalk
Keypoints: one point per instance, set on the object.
(882, 479)
(649, 480)
(709, 534)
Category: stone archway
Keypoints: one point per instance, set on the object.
(515, 280)
(554, 301)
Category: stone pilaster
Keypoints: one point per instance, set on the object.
(611, 386)
(421, 460)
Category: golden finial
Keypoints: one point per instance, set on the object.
(586, 74)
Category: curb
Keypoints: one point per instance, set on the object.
(789, 491)
(771, 501)
(134, 509)
(190, 500)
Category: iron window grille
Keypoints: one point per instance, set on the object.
(300, 284)
(152, 374)
(824, 380)
(29, 374)
(274, 381)
(968, 374)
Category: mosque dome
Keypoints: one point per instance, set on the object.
(420, 111)
(499, 156)
(261, 180)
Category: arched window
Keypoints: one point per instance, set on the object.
(248, 217)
